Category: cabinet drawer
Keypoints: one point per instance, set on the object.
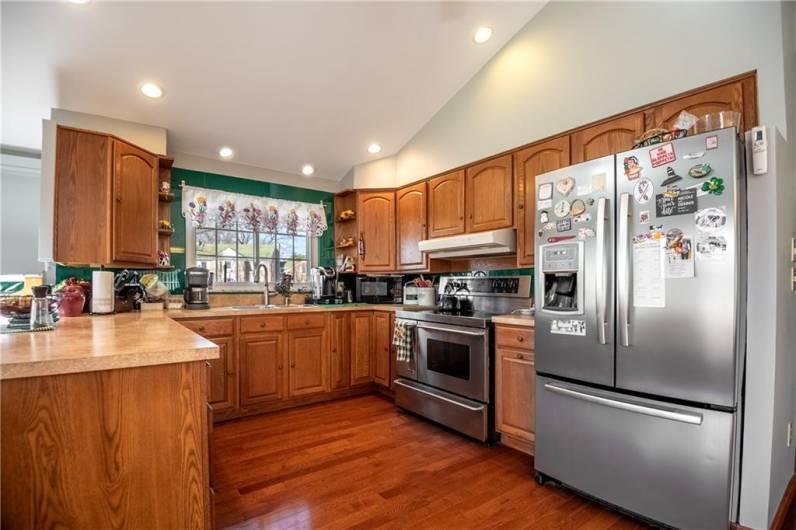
(219, 327)
(258, 324)
(314, 320)
(517, 354)
(514, 337)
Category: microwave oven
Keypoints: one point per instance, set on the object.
(379, 289)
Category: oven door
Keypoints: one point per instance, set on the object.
(454, 358)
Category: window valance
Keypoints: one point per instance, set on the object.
(222, 209)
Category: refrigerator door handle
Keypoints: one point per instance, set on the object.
(623, 270)
(601, 270)
(666, 414)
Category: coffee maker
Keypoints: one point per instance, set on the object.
(197, 282)
(324, 285)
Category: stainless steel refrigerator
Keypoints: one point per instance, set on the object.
(640, 329)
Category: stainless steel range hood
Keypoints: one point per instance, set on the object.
(503, 241)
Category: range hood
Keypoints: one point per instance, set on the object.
(503, 241)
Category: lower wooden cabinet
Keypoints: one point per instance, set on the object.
(262, 374)
(308, 356)
(223, 390)
(515, 378)
(381, 348)
(361, 345)
(340, 349)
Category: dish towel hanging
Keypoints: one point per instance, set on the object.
(402, 339)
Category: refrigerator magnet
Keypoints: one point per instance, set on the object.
(643, 190)
(710, 220)
(546, 203)
(691, 156)
(583, 189)
(568, 327)
(556, 239)
(548, 226)
(585, 233)
(577, 207)
(582, 218)
(700, 171)
(662, 155)
(565, 185)
(562, 208)
(710, 247)
(644, 217)
(632, 167)
(598, 182)
(714, 186)
(712, 142)
(543, 216)
(564, 225)
(678, 259)
(545, 191)
(671, 177)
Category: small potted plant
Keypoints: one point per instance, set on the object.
(284, 287)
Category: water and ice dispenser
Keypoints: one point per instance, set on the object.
(562, 270)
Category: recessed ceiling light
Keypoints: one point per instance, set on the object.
(374, 148)
(307, 169)
(151, 90)
(226, 152)
(482, 34)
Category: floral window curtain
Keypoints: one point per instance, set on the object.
(222, 209)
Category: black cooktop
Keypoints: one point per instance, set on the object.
(473, 319)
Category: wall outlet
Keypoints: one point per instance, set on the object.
(789, 435)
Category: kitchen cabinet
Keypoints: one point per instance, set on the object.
(381, 348)
(514, 387)
(411, 226)
(724, 97)
(489, 194)
(340, 349)
(308, 356)
(135, 207)
(262, 374)
(529, 162)
(361, 345)
(108, 188)
(223, 390)
(446, 205)
(606, 138)
(376, 223)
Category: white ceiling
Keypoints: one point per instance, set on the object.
(283, 84)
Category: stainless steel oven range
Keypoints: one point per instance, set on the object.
(449, 376)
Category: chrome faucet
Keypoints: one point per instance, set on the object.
(266, 295)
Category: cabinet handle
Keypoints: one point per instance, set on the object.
(279, 367)
(262, 324)
(520, 206)
(362, 244)
(520, 338)
(201, 328)
(292, 365)
(207, 363)
(519, 356)
(334, 349)
(118, 198)
(230, 373)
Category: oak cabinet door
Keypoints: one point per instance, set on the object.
(411, 229)
(82, 192)
(381, 348)
(361, 345)
(262, 373)
(607, 138)
(308, 355)
(376, 220)
(515, 379)
(446, 205)
(528, 163)
(340, 350)
(490, 195)
(135, 196)
(725, 97)
(224, 375)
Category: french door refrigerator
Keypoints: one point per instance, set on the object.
(640, 329)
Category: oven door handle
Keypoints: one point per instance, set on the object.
(441, 398)
(459, 331)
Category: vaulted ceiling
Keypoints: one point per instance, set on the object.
(282, 83)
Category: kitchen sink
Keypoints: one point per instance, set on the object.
(264, 306)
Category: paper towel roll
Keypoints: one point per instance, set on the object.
(102, 293)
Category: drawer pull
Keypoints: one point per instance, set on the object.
(520, 356)
(279, 367)
(292, 365)
(201, 328)
(520, 338)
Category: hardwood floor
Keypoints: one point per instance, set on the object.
(362, 463)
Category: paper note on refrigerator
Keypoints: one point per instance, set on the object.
(649, 287)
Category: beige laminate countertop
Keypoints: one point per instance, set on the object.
(514, 320)
(91, 343)
(180, 314)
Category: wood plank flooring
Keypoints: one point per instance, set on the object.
(362, 463)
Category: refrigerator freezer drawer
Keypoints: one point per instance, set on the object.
(665, 462)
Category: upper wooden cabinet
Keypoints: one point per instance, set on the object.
(376, 221)
(135, 207)
(724, 97)
(105, 201)
(410, 209)
(528, 163)
(606, 138)
(490, 195)
(446, 205)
